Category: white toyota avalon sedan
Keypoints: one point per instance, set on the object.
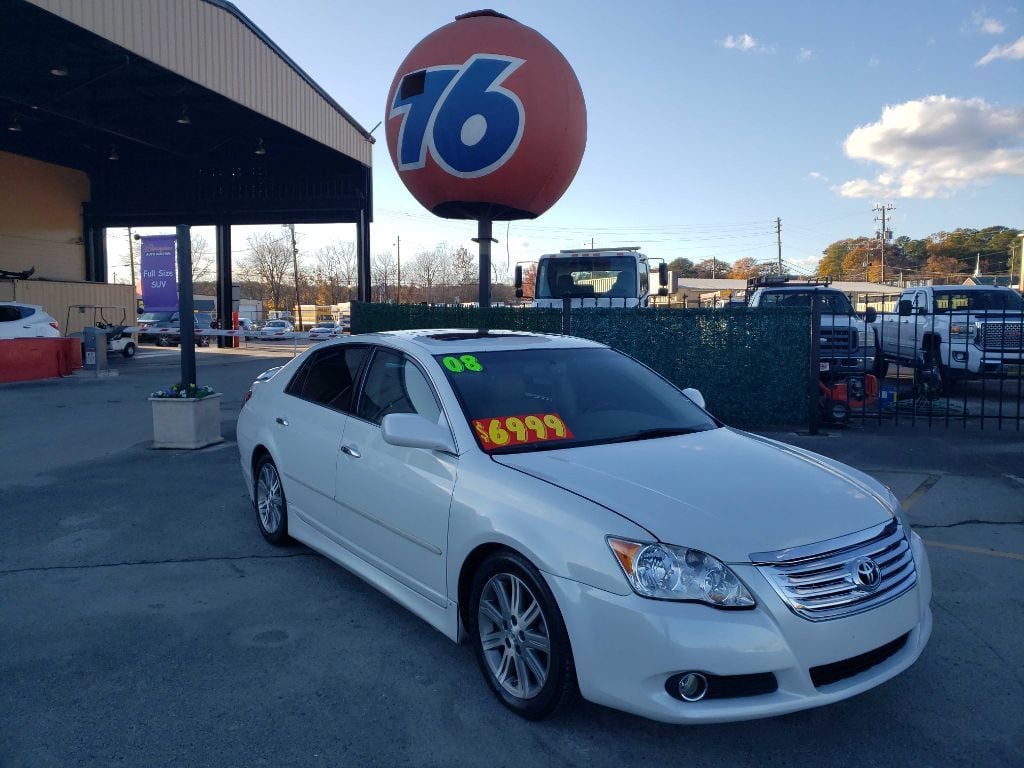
(586, 526)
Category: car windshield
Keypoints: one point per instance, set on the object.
(955, 301)
(526, 400)
(604, 276)
(155, 317)
(832, 302)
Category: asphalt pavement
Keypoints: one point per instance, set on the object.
(145, 622)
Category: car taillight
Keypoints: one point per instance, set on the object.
(246, 397)
(55, 326)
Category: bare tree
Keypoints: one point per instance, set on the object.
(269, 263)
(335, 271)
(202, 257)
(464, 270)
(427, 269)
(384, 272)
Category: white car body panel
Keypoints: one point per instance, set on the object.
(408, 520)
(673, 488)
(36, 325)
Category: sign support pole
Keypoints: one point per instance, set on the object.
(483, 239)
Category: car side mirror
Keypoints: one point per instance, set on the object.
(870, 314)
(695, 395)
(410, 430)
(905, 307)
(662, 275)
(519, 280)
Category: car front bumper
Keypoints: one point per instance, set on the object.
(626, 647)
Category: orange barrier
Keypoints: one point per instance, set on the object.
(28, 359)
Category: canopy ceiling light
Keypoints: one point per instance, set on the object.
(183, 118)
(15, 126)
(260, 149)
(59, 71)
(113, 153)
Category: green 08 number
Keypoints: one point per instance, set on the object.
(462, 363)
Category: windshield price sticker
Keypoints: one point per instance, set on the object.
(507, 431)
(462, 363)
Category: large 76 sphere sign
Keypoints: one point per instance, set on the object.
(486, 120)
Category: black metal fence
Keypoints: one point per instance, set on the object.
(946, 357)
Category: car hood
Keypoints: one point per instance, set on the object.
(721, 491)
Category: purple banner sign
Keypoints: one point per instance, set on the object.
(159, 285)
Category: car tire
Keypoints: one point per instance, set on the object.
(129, 349)
(269, 502)
(519, 638)
(162, 341)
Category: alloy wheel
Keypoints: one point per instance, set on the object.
(514, 635)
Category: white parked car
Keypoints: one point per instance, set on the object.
(274, 328)
(586, 526)
(328, 329)
(22, 321)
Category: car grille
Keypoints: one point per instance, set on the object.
(827, 674)
(1000, 336)
(838, 340)
(822, 581)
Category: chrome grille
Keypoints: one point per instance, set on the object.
(838, 339)
(820, 581)
(1001, 335)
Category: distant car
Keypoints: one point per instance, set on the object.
(325, 330)
(248, 326)
(152, 323)
(25, 321)
(274, 328)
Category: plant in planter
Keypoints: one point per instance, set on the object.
(186, 416)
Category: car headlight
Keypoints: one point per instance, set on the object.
(664, 572)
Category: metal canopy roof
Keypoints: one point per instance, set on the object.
(180, 111)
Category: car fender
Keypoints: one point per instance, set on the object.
(561, 533)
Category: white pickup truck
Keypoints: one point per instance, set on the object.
(964, 330)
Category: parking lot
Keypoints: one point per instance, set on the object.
(146, 622)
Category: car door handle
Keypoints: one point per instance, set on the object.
(282, 421)
(351, 451)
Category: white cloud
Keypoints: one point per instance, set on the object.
(746, 44)
(987, 26)
(873, 61)
(806, 54)
(935, 146)
(1014, 50)
(817, 176)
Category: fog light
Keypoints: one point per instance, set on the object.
(693, 686)
(960, 356)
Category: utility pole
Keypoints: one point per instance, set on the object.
(295, 266)
(883, 233)
(131, 261)
(778, 239)
(398, 248)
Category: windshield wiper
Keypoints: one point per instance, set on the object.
(651, 434)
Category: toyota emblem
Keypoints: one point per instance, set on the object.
(866, 574)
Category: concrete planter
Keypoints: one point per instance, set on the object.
(186, 423)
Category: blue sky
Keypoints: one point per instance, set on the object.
(708, 120)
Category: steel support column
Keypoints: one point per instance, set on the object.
(363, 255)
(224, 297)
(95, 254)
(187, 340)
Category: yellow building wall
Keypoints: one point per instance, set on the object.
(41, 218)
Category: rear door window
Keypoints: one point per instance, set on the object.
(329, 377)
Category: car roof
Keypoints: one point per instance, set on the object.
(37, 307)
(437, 341)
